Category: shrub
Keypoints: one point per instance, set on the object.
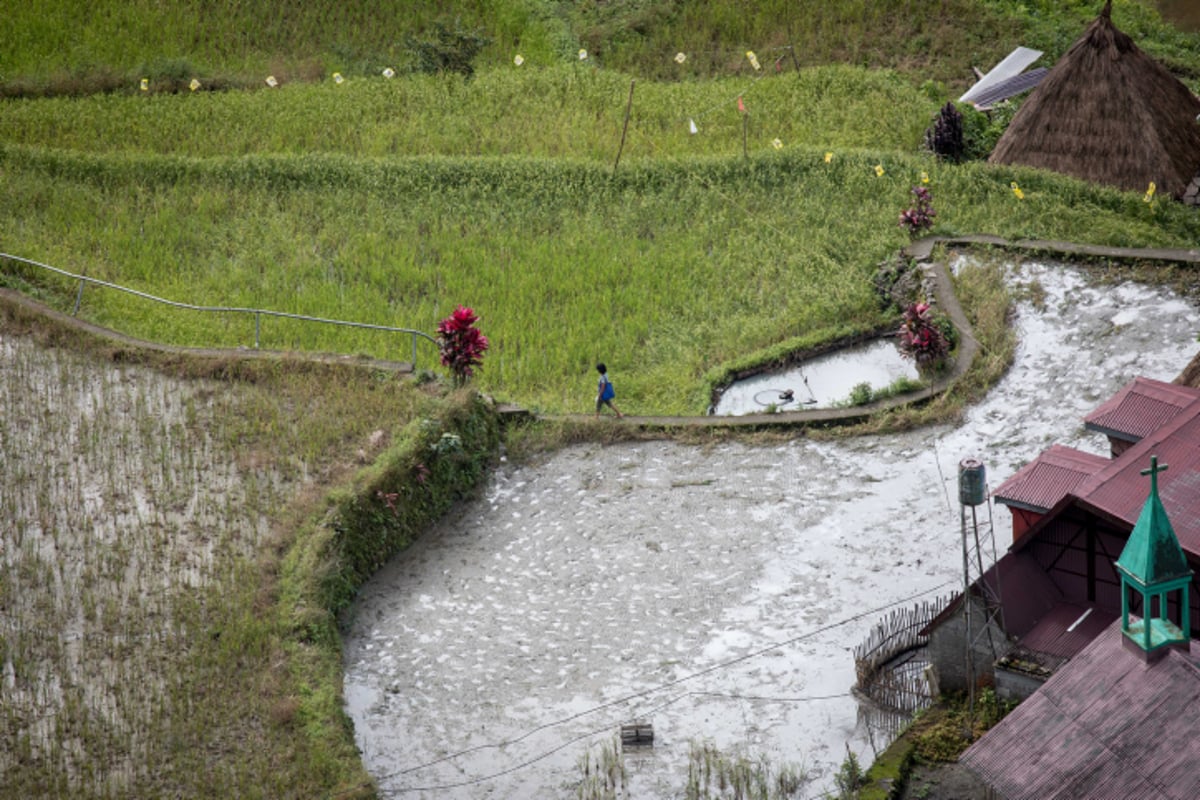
(919, 216)
(982, 129)
(861, 394)
(461, 344)
(450, 50)
(945, 137)
(920, 338)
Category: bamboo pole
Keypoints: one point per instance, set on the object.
(625, 128)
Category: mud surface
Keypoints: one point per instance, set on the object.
(713, 592)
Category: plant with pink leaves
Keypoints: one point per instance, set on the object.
(920, 216)
(462, 345)
(920, 337)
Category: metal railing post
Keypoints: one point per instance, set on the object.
(257, 328)
(78, 298)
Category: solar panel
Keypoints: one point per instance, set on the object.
(1013, 64)
(1010, 88)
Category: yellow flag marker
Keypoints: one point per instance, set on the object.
(924, 177)
(777, 144)
(879, 170)
(145, 87)
(388, 72)
(828, 157)
(519, 59)
(582, 54)
(680, 57)
(1150, 193)
(271, 81)
(753, 59)
(337, 77)
(194, 85)
(1017, 191)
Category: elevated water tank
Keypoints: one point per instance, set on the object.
(972, 482)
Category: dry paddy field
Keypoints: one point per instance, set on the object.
(128, 526)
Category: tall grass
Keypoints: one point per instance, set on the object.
(67, 47)
(566, 264)
(571, 112)
(243, 35)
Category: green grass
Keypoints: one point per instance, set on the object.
(566, 264)
(63, 46)
(579, 113)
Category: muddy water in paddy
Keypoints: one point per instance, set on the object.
(713, 592)
(821, 382)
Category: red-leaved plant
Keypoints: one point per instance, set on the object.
(920, 337)
(461, 343)
(920, 216)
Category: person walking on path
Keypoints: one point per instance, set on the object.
(605, 392)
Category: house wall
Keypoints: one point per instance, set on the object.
(1118, 446)
(1016, 686)
(948, 655)
(1022, 520)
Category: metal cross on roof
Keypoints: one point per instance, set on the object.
(1153, 473)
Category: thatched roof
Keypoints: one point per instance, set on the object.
(1108, 113)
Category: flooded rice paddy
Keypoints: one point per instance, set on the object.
(825, 381)
(713, 592)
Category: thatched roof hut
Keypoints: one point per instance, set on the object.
(1111, 114)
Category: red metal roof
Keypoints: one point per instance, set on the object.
(1040, 484)
(1066, 629)
(1119, 490)
(1030, 594)
(1139, 408)
(1107, 724)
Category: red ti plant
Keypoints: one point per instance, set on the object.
(919, 216)
(461, 343)
(920, 337)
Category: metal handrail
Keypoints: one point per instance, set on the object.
(258, 313)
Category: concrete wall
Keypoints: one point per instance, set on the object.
(947, 649)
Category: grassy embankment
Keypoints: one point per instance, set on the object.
(392, 201)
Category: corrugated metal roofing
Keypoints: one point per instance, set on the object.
(1140, 407)
(1025, 590)
(1107, 724)
(1043, 482)
(1066, 629)
(1009, 88)
(1120, 490)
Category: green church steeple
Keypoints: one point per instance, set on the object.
(1153, 565)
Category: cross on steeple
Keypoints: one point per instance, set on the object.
(1153, 473)
(1154, 568)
